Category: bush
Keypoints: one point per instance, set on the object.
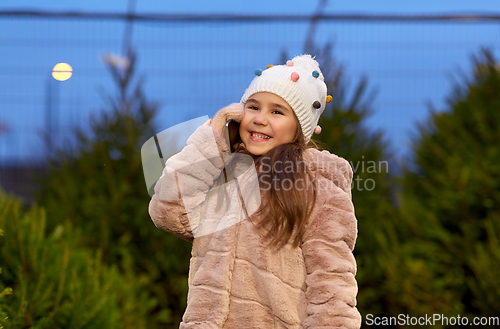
(346, 134)
(4, 292)
(99, 187)
(56, 283)
(448, 233)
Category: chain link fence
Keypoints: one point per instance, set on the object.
(193, 65)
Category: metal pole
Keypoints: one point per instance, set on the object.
(320, 8)
(48, 118)
(127, 34)
(51, 115)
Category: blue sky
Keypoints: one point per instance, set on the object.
(409, 64)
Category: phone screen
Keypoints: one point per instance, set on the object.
(232, 134)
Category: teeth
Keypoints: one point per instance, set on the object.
(259, 136)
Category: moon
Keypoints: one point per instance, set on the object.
(62, 71)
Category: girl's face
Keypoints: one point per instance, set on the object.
(268, 122)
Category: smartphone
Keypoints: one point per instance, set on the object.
(232, 134)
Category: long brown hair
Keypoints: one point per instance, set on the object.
(286, 209)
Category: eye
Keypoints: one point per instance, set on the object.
(278, 112)
(252, 107)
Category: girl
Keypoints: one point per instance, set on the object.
(286, 260)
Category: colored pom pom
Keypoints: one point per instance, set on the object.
(317, 130)
(316, 104)
(315, 74)
(289, 63)
(258, 72)
(295, 76)
(269, 66)
(329, 98)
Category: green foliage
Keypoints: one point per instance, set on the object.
(4, 292)
(56, 283)
(447, 249)
(373, 190)
(100, 188)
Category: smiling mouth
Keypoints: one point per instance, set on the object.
(258, 137)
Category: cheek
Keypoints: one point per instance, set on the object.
(287, 131)
(247, 118)
(243, 123)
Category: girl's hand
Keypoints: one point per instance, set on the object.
(234, 111)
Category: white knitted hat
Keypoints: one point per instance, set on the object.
(301, 84)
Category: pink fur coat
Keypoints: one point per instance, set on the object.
(234, 281)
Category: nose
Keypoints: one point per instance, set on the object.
(260, 118)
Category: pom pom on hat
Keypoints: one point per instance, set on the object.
(308, 63)
(317, 130)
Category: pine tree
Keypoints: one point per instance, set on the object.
(448, 248)
(56, 283)
(344, 132)
(99, 186)
(4, 292)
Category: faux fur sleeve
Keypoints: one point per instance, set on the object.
(185, 177)
(327, 247)
(171, 216)
(188, 175)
